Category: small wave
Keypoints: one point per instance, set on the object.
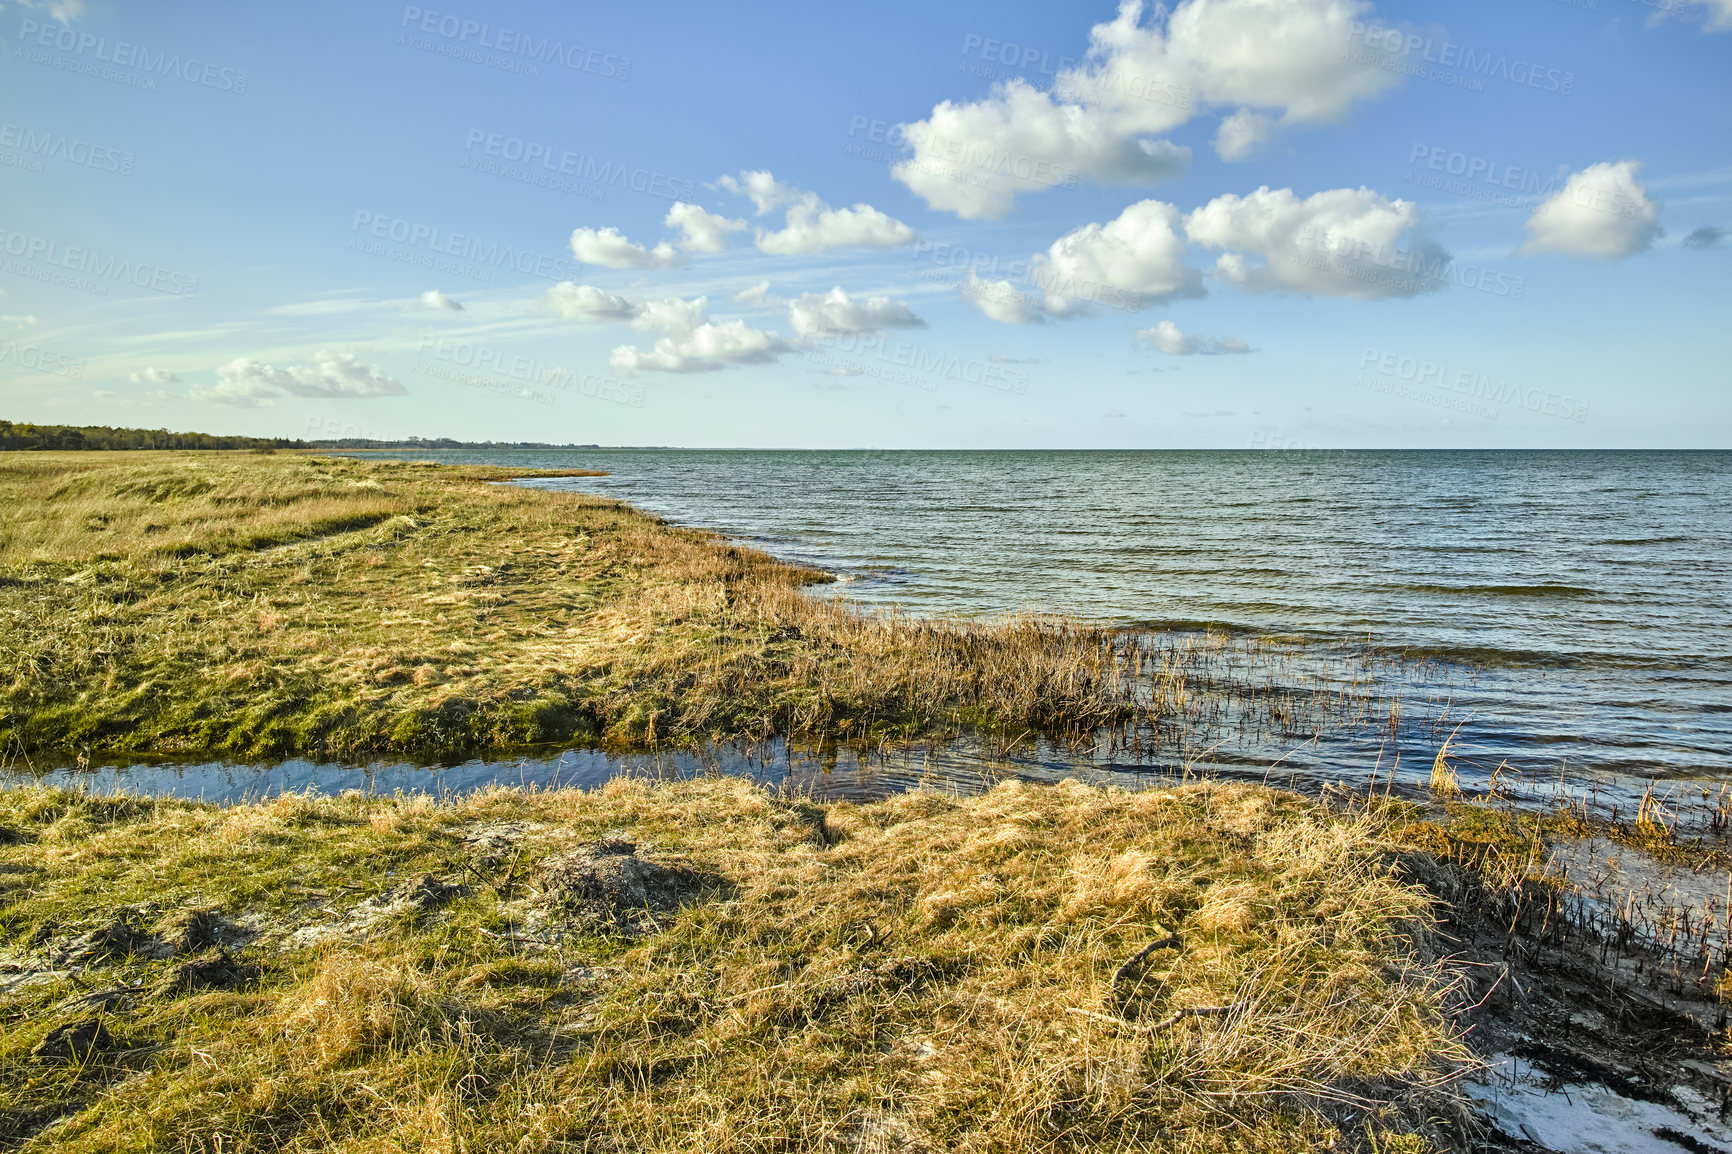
(1644, 540)
(1504, 590)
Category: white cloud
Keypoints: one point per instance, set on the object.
(759, 295)
(1717, 18)
(707, 348)
(835, 313)
(65, 11)
(23, 321)
(585, 302)
(1002, 301)
(1344, 242)
(1602, 211)
(1134, 259)
(1283, 62)
(810, 225)
(589, 304)
(702, 231)
(608, 248)
(1242, 133)
(1167, 338)
(767, 193)
(815, 226)
(1285, 55)
(671, 315)
(434, 299)
(247, 382)
(241, 394)
(1719, 14)
(695, 343)
(974, 159)
(154, 377)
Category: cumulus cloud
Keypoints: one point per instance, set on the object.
(238, 394)
(1136, 258)
(766, 192)
(154, 377)
(1279, 63)
(1002, 301)
(434, 299)
(608, 248)
(816, 227)
(589, 304)
(694, 344)
(671, 314)
(1166, 337)
(585, 302)
(810, 225)
(835, 313)
(1344, 242)
(702, 231)
(1708, 236)
(1602, 211)
(246, 382)
(974, 159)
(1242, 134)
(707, 348)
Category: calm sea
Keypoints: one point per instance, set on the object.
(1569, 611)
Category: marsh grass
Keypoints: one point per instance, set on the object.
(261, 605)
(923, 973)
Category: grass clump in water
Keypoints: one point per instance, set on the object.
(923, 973)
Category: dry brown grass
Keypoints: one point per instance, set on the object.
(924, 973)
(75, 507)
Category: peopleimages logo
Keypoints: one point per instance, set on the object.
(534, 154)
(41, 360)
(136, 62)
(1466, 383)
(511, 44)
(58, 146)
(518, 367)
(1491, 172)
(88, 270)
(1410, 52)
(464, 247)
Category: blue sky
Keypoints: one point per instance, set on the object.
(1235, 223)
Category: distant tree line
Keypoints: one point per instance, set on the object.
(28, 436)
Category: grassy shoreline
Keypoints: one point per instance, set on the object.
(265, 605)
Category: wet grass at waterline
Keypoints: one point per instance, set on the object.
(705, 966)
(264, 605)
